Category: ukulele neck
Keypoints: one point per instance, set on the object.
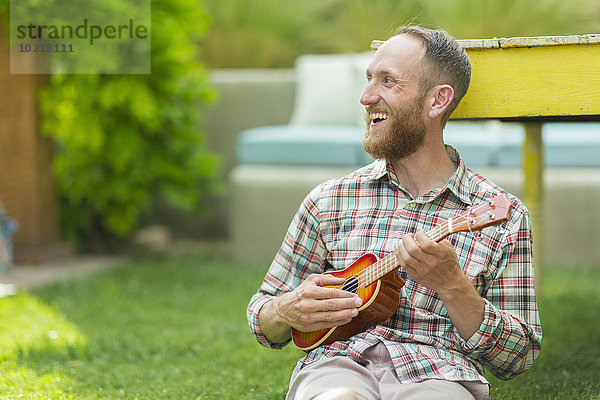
(487, 213)
(390, 262)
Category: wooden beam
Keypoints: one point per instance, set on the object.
(533, 191)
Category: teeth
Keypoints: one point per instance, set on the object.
(379, 115)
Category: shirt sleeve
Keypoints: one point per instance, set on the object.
(302, 253)
(509, 339)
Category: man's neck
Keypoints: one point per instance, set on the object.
(428, 169)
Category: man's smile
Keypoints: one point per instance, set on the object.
(377, 117)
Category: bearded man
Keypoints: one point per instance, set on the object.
(468, 302)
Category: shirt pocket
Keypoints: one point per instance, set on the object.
(476, 253)
(352, 237)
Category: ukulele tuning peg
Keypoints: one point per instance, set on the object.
(491, 203)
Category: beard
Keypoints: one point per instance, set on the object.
(403, 135)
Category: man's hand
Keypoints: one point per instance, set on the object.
(435, 265)
(309, 307)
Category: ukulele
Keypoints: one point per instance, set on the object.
(378, 283)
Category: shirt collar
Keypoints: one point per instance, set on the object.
(379, 169)
(458, 183)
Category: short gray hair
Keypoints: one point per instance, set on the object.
(445, 62)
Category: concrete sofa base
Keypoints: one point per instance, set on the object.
(265, 198)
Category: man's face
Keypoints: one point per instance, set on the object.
(394, 105)
(399, 136)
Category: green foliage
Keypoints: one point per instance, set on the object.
(273, 33)
(124, 139)
(259, 33)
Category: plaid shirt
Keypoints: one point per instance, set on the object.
(369, 211)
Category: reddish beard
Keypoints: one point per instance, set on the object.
(403, 135)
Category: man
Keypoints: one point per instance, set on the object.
(468, 301)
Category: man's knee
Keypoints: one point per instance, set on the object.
(339, 394)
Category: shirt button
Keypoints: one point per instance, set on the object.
(409, 206)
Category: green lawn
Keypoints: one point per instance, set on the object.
(175, 328)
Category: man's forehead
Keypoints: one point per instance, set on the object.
(404, 45)
(398, 54)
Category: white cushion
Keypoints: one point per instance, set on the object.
(328, 90)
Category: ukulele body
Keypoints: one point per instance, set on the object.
(380, 300)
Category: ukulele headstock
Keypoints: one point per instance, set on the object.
(490, 212)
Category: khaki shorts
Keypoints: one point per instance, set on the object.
(375, 381)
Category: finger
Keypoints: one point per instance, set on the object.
(340, 295)
(400, 253)
(447, 243)
(408, 250)
(413, 247)
(318, 289)
(428, 245)
(334, 304)
(325, 279)
(409, 270)
(309, 306)
(424, 241)
(328, 319)
(422, 249)
(313, 302)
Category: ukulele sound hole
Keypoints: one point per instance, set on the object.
(351, 285)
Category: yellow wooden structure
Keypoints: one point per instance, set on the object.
(533, 80)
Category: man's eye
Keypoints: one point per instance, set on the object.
(388, 80)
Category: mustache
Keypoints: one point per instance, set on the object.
(373, 110)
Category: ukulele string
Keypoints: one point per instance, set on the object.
(374, 271)
(371, 273)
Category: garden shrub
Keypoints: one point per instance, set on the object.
(124, 140)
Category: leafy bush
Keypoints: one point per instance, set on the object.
(123, 140)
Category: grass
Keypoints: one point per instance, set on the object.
(175, 328)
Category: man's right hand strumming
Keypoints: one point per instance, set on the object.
(309, 307)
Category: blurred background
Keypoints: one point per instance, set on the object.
(250, 104)
(272, 34)
(94, 163)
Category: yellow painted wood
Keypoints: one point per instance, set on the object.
(532, 41)
(533, 190)
(536, 81)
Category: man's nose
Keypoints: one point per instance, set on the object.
(369, 96)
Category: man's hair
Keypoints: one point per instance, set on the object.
(444, 62)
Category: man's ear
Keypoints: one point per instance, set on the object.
(440, 98)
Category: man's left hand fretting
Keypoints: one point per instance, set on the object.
(433, 265)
